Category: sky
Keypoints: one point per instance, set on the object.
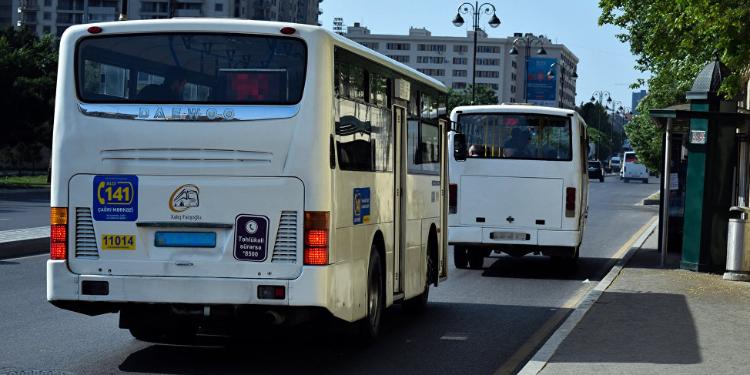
(605, 63)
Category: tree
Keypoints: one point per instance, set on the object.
(28, 71)
(607, 139)
(673, 40)
(484, 95)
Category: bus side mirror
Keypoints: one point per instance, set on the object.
(459, 147)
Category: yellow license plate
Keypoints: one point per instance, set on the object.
(118, 242)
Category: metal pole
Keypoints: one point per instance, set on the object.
(527, 50)
(665, 197)
(742, 169)
(474, 64)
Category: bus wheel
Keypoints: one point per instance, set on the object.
(568, 260)
(417, 304)
(460, 257)
(164, 335)
(645, 180)
(370, 326)
(476, 259)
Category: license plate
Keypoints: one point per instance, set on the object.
(511, 236)
(185, 239)
(118, 242)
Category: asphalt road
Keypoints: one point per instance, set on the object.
(477, 322)
(22, 208)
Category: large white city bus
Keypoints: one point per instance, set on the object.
(211, 175)
(518, 182)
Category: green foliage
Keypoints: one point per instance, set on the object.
(601, 132)
(484, 95)
(28, 72)
(674, 39)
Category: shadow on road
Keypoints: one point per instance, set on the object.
(541, 267)
(470, 340)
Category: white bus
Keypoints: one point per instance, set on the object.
(210, 175)
(518, 182)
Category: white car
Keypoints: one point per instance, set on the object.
(632, 169)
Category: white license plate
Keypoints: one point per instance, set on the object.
(511, 236)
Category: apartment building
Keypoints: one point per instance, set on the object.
(450, 60)
(54, 16)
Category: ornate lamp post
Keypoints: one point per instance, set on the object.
(551, 73)
(527, 41)
(475, 10)
(601, 94)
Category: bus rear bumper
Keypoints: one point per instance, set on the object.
(65, 289)
(475, 235)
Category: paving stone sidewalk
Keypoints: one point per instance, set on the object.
(661, 321)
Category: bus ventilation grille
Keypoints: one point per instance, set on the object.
(285, 247)
(85, 236)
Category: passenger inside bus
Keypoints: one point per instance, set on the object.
(518, 144)
(171, 89)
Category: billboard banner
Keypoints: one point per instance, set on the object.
(541, 89)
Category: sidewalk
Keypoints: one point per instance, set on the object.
(660, 321)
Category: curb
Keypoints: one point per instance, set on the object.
(540, 359)
(15, 249)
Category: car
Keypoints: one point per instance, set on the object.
(615, 163)
(596, 170)
(632, 169)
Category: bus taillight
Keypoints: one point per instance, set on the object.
(570, 202)
(316, 237)
(58, 233)
(452, 198)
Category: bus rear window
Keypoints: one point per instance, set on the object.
(517, 136)
(191, 68)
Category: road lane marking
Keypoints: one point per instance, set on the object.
(24, 257)
(548, 328)
(455, 336)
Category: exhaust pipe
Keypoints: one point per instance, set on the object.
(275, 318)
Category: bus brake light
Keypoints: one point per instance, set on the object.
(570, 202)
(58, 233)
(316, 238)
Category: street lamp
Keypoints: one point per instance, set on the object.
(527, 42)
(551, 73)
(601, 94)
(475, 10)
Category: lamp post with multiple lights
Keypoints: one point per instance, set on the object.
(552, 72)
(527, 41)
(475, 10)
(601, 94)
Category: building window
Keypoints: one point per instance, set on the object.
(488, 49)
(371, 45)
(431, 47)
(47, 29)
(513, 76)
(493, 86)
(460, 48)
(48, 3)
(47, 15)
(459, 85)
(398, 46)
(488, 74)
(460, 60)
(430, 60)
(513, 89)
(433, 72)
(400, 58)
(488, 61)
(218, 7)
(513, 64)
(459, 73)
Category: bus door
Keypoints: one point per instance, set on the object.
(399, 223)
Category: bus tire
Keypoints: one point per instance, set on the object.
(476, 258)
(601, 178)
(569, 260)
(627, 180)
(460, 257)
(369, 327)
(164, 335)
(645, 180)
(417, 304)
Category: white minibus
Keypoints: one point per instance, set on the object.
(518, 182)
(632, 169)
(212, 174)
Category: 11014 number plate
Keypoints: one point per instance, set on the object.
(118, 242)
(510, 236)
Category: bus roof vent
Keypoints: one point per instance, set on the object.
(85, 236)
(285, 247)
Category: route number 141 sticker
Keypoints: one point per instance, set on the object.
(115, 198)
